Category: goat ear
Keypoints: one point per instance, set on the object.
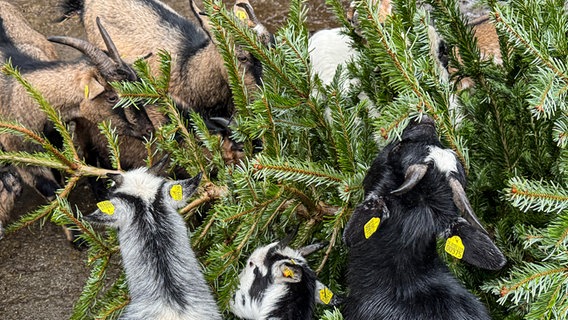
(365, 220)
(323, 295)
(181, 190)
(288, 273)
(474, 247)
(159, 167)
(91, 88)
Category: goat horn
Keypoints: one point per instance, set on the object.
(413, 175)
(309, 249)
(250, 12)
(461, 201)
(96, 55)
(286, 241)
(113, 53)
(159, 166)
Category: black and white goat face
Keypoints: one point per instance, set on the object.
(138, 191)
(277, 283)
(420, 185)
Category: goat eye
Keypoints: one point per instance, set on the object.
(113, 98)
(243, 59)
(251, 264)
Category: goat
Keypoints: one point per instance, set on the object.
(413, 191)
(78, 89)
(277, 283)
(163, 275)
(199, 79)
(329, 48)
(24, 37)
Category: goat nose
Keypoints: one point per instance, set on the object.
(427, 120)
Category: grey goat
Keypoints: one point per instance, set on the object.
(164, 277)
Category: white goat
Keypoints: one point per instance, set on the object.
(164, 276)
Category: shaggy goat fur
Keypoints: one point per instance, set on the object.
(163, 274)
(416, 188)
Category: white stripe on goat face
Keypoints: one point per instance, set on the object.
(247, 307)
(444, 159)
(141, 184)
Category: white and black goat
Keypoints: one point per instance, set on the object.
(414, 192)
(278, 284)
(163, 274)
(77, 89)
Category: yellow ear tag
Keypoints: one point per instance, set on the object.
(454, 246)
(176, 192)
(106, 207)
(86, 92)
(241, 14)
(371, 227)
(326, 295)
(288, 273)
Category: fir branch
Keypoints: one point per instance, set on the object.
(111, 136)
(49, 111)
(542, 196)
(44, 211)
(69, 164)
(309, 173)
(94, 284)
(519, 38)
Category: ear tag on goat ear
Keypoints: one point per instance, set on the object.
(176, 192)
(86, 91)
(455, 247)
(288, 273)
(241, 14)
(371, 226)
(106, 207)
(325, 295)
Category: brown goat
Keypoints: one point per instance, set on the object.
(199, 79)
(78, 89)
(24, 38)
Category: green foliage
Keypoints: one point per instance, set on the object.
(509, 129)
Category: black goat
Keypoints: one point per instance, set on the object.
(416, 188)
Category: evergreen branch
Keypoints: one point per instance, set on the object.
(515, 30)
(70, 165)
(211, 193)
(64, 209)
(336, 229)
(542, 196)
(536, 277)
(42, 212)
(224, 21)
(94, 284)
(49, 111)
(306, 172)
(111, 136)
